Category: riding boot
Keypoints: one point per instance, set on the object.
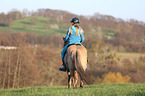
(62, 67)
(87, 67)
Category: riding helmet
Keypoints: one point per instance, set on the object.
(75, 20)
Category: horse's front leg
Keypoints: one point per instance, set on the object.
(81, 84)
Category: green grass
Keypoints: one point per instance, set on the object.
(109, 34)
(93, 90)
(132, 56)
(38, 25)
(42, 26)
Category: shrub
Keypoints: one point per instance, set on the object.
(115, 78)
(140, 65)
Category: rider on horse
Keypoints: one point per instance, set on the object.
(74, 36)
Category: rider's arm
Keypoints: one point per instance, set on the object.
(67, 36)
(82, 37)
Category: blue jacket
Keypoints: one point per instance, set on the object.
(73, 38)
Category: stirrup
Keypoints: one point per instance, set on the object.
(87, 67)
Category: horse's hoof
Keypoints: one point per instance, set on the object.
(81, 86)
(75, 87)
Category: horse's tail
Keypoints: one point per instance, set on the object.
(79, 68)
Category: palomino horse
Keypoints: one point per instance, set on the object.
(76, 62)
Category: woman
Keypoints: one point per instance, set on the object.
(74, 36)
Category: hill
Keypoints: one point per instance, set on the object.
(47, 21)
(48, 26)
(34, 24)
(124, 35)
(93, 90)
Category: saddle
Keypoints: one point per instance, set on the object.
(70, 45)
(73, 44)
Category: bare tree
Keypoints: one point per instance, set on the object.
(16, 70)
(9, 69)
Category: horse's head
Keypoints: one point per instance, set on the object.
(65, 43)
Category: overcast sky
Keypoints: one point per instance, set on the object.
(125, 9)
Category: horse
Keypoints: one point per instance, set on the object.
(76, 62)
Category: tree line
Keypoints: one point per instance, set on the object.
(36, 64)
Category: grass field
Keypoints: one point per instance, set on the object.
(93, 90)
(109, 34)
(44, 25)
(38, 25)
(131, 56)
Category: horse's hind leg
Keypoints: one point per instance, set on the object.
(76, 79)
(72, 78)
(69, 80)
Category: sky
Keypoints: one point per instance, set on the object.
(125, 9)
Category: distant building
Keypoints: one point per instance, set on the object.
(8, 47)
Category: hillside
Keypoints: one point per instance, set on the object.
(48, 26)
(38, 25)
(47, 21)
(93, 90)
(123, 35)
